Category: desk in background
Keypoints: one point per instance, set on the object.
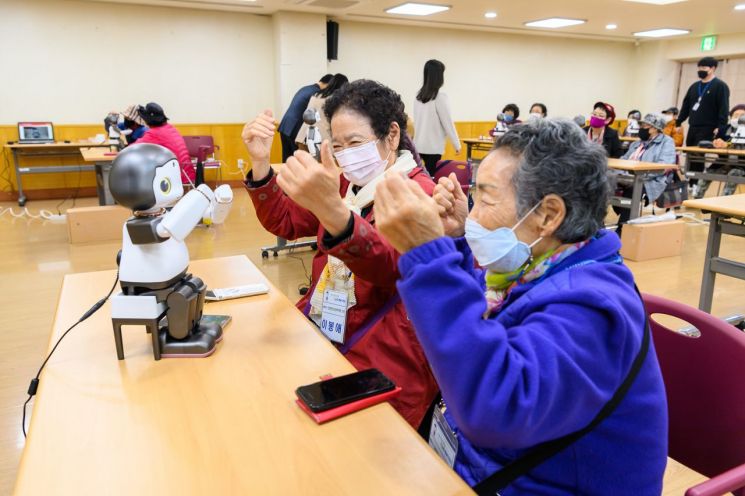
(58, 149)
(713, 156)
(476, 144)
(638, 169)
(102, 158)
(226, 424)
(723, 210)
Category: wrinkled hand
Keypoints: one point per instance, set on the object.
(257, 136)
(404, 214)
(719, 143)
(452, 205)
(315, 187)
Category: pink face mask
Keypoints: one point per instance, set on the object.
(597, 122)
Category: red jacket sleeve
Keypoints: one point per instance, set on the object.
(368, 254)
(279, 215)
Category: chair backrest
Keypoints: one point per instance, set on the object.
(705, 383)
(200, 146)
(462, 172)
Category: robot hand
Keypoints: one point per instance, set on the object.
(220, 205)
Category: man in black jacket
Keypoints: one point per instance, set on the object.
(707, 105)
(292, 121)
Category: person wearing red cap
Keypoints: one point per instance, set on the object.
(599, 130)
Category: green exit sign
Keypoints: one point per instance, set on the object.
(708, 43)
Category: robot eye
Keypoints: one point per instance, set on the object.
(165, 185)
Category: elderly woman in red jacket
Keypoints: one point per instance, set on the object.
(334, 200)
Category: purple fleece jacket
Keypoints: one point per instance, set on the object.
(541, 368)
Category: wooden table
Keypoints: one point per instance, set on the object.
(226, 424)
(102, 158)
(628, 139)
(639, 170)
(476, 144)
(724, 209)
(678, 478)
(57, 149)
(727, 157)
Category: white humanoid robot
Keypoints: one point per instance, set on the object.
(500, 128)
(632, 127)
(157, 291)
(313, 139)
(111, 124)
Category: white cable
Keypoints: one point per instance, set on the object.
(43, 214)
(694, 219)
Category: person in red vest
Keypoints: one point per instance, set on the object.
(164, 134)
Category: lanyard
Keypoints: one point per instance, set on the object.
(701, 92)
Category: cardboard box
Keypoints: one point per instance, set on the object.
(641, 242)
(104, 223)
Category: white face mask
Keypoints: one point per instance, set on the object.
(667, 118)
(734, 122)
(499, 250)
(361, 164)
(535, 115)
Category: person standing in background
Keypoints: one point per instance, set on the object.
(707, 104)
(291, 122)
(316, 102)
(432, 118)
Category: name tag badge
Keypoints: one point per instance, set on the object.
(442, 439)
(696, 105)
(334, 315)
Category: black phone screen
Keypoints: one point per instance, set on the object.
(338, 391)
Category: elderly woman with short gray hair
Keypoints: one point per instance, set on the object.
(549, 380)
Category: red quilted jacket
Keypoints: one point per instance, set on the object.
(169, 137)
(391, 344)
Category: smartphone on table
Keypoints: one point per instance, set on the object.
(325, 395)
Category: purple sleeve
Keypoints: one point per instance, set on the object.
(517, 386)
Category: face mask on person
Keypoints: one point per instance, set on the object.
(703, 74)
(643, 134)
(536, 115)
(361, 164)
(667, 118)
(499, 250)
(597, 122)
(508, 118)
(735, 122)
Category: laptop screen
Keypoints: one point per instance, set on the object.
(35, 132)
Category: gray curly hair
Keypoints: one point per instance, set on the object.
(555, 157)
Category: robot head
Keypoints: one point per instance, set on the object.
(146, 177)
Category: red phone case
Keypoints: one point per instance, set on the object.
(340, 411)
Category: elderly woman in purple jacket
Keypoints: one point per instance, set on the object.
(545, 351)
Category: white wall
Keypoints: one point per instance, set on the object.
(655, 78)
(485, 71)
(72, 62)
(300, 47)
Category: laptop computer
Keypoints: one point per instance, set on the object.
(35, 132)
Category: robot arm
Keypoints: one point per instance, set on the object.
(187, 213)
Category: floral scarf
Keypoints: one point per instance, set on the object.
(499, 285)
